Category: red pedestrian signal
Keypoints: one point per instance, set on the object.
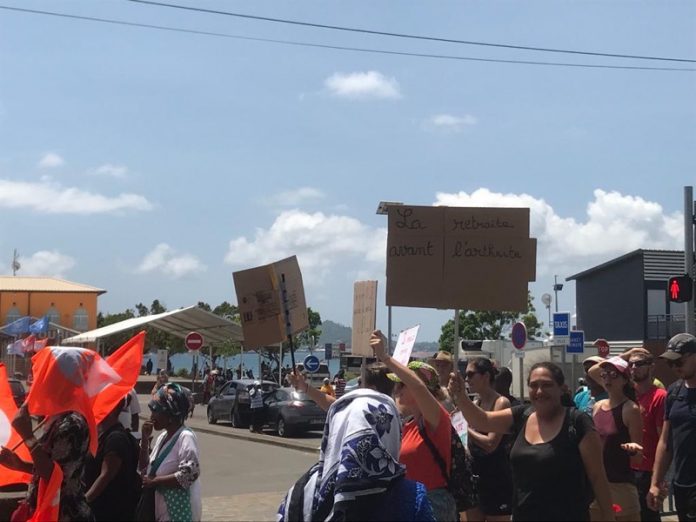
(680, 288)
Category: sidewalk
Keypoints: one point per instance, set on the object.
(260, 507)
(308, 443)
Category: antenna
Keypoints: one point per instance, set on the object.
(15, 263)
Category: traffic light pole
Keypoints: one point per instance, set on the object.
(689, 326)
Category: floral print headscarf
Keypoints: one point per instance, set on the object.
(171, 399)
(359, 456)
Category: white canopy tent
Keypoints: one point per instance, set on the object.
(215, 329)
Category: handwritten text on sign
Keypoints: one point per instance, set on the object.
(404, 345)
(459, 257)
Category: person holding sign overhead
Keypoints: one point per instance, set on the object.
(417, 395)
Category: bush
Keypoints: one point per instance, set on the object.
(182, 372)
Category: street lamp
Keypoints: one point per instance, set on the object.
(557, 287)
(383, 210)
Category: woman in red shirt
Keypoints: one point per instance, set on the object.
(417, 394)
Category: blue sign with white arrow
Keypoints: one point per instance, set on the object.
(561, 324)
(311, 363)
(576, 343)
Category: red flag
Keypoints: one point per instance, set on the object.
(28, 344)
(8, 436)
(40, 343)
(126, 361)
(48, 498)
(72, 379)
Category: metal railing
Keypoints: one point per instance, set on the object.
(665, 326)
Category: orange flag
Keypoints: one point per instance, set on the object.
(72, 379)
(48, 498)
(8, 436)
(126, 361)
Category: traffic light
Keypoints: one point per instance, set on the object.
(680, 289)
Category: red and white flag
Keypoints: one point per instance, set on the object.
(8, 436)
(40, 343)
(78, 379)
(48, 497)
(28, 344)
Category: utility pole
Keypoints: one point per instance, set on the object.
(15, 263)
(689, 253)
(556, 288)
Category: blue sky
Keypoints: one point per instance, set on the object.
(154, 164)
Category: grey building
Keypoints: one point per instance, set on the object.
(626, 298)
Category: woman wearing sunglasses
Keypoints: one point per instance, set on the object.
(620, 427)
(556, 454)
(488, 450)
(417, 394)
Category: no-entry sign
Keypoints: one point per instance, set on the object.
(194, 341)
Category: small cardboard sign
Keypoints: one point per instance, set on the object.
(364, 317)
(460, 426)
(261, 303)
(404, 344)
(460, 257)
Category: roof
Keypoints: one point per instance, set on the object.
(658, 265)
(215, 329)
(43, 284)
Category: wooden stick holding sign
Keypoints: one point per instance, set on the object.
(288, 322)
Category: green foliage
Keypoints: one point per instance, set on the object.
(488, 325)
(310, 337)
(182, 372)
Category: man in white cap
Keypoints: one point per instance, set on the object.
(678, 439)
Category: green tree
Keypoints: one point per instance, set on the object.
(489, 325)
(310, 336)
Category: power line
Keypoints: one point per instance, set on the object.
(410, 36)
(337, 47)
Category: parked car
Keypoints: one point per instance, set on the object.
(18, 391)
(232, 402)
(289, 412)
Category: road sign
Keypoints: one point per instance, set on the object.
(193, 341)
(311, 363)
(519, 335)
(576, 343)
(561, 324)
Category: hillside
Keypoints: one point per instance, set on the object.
(334, 332)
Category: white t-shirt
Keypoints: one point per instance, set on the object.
(133, 408)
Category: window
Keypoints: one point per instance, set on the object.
(12, 315)
(81, 320)
(657, 302)
(53, 315)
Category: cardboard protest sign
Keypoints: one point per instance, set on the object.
(261, 303)
(459, 257)
(364, 317)
(404, 344)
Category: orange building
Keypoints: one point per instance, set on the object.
(70, 305)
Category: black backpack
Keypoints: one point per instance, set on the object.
(461, 482)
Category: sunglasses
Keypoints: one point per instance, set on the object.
(611, 374)
(679, 362)
(639, 364)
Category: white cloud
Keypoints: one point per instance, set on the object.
(46, 263)
(114, 171)
(450, 123)
(292, 198)
(321, 242)
(615, 224)
(363, 85)
(51, 160)
(166, 260)
(51, 198)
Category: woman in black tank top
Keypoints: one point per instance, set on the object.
(488, 450)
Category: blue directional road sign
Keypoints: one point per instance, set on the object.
(311, 363)
(561, 324)
(576, 343)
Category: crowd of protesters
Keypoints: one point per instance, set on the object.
(602, 454)
(389, 451)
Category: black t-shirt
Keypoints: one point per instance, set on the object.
(682, 425)
(549, 478)
(118, 500)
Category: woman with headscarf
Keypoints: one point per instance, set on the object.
(171, 467)
(358, 476)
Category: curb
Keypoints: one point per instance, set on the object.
(263, 439)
